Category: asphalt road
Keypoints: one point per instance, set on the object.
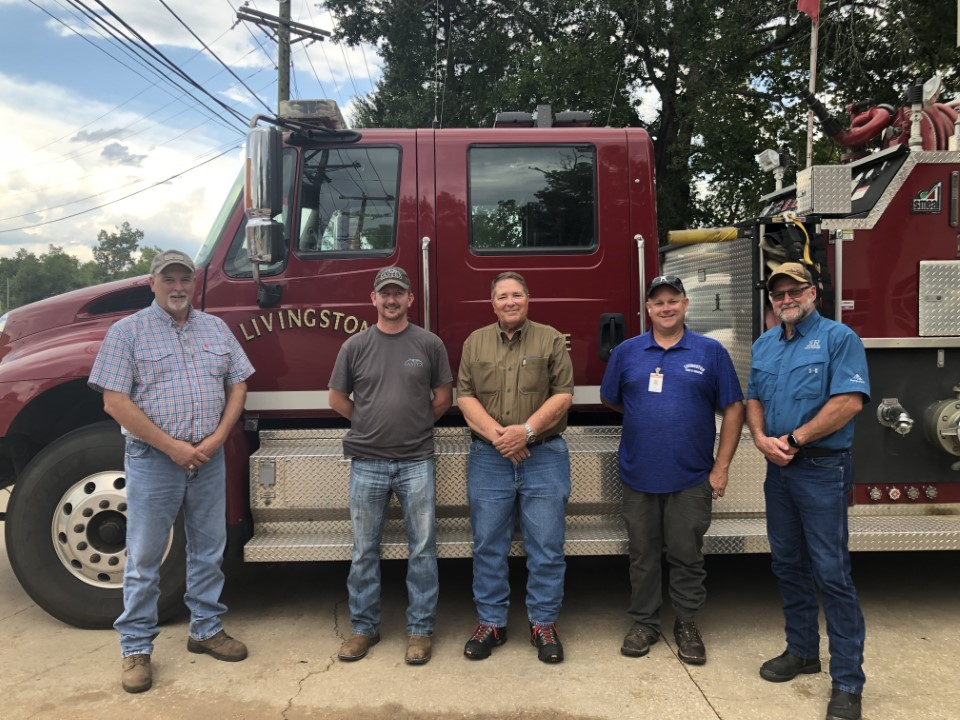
(293, 618)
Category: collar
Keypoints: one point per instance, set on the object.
(649, 343)
(802, 328)
(518, 333)
(165, 318)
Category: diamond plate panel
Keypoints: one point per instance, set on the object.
(939, 297)
(718, 278)
(824, 190)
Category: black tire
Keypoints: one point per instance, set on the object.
(66, 531)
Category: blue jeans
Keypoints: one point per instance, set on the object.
(497, 489)
(157, 489)
(807, 527)
(372, 480)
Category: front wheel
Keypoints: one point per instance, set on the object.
(66, 527)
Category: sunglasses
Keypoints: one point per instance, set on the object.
(792, 292)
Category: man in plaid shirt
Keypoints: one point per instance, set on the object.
(174, 378)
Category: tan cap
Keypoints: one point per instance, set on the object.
(167, 258)
(792, 270)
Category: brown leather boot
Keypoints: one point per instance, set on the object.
(418, 650)
(355, 647)
(221, 646)
(136, 675)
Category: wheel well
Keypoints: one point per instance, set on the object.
(66, 407)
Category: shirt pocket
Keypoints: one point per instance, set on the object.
(216, 360)
(764, 378)
(154, 365)
(534, 377)
(485, 379)
(807, 380)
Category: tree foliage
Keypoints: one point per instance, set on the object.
(27, 277)
(714, 83)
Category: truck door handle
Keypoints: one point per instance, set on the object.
(611, 333)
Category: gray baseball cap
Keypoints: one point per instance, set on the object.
(167, 258)
(391, 276)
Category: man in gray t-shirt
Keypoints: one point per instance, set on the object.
(400, 380)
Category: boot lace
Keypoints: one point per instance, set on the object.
(545, 634)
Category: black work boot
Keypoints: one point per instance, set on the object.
(787, 666)
(690, 647)
(843, 706)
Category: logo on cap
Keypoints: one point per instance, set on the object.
(391, 276)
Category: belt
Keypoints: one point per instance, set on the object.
(815, 452)
(538, 441)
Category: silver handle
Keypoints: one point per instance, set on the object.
(642, 269)
(425, 263)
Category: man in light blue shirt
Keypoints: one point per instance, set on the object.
(808, 381)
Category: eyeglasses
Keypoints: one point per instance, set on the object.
(792, 292)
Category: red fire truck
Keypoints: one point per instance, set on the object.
(289, 264)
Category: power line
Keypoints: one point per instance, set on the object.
(138, 55)
(168, 62)
(113, 202)
(202, 43)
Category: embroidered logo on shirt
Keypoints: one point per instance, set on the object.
(813, 370)
(813, 344)
(857, 379)
(694, 368)
(413, 362)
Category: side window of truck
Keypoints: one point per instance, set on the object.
(348, 201)
(533, 198)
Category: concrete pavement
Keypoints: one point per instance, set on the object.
(293, 618)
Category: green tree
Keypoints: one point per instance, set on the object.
(51, 273)
(724, 78)
(114, 252)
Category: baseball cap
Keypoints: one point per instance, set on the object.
(670, 281)
(793, 270)
(391, 276)
(167, 258)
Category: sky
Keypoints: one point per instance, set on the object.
(85, 123)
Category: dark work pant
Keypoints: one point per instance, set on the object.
(673, 524)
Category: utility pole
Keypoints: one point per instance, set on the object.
(283, 53)
(282, 27)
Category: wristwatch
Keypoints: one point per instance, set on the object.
(531, 435)
(792, 441)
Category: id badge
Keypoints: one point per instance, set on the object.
(656, 382)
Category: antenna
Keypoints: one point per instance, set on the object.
(436, 63)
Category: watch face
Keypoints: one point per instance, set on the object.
(792, 441)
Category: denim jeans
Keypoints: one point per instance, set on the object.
(372, 480)
(807, 527)
(672, 524)
(157, 489)
(537, 488)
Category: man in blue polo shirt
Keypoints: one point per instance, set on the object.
(668, 383)
(808, 381)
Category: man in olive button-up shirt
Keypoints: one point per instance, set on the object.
(514, 388)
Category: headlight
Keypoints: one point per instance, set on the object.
(3, 321)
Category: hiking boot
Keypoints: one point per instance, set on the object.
(418, 650)
(690, 647)
(638, 641)
(484, 639)
(221, 646)
(136, 675)
(355, 647)
(787, 666)
(547, 642)
(843, 706)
